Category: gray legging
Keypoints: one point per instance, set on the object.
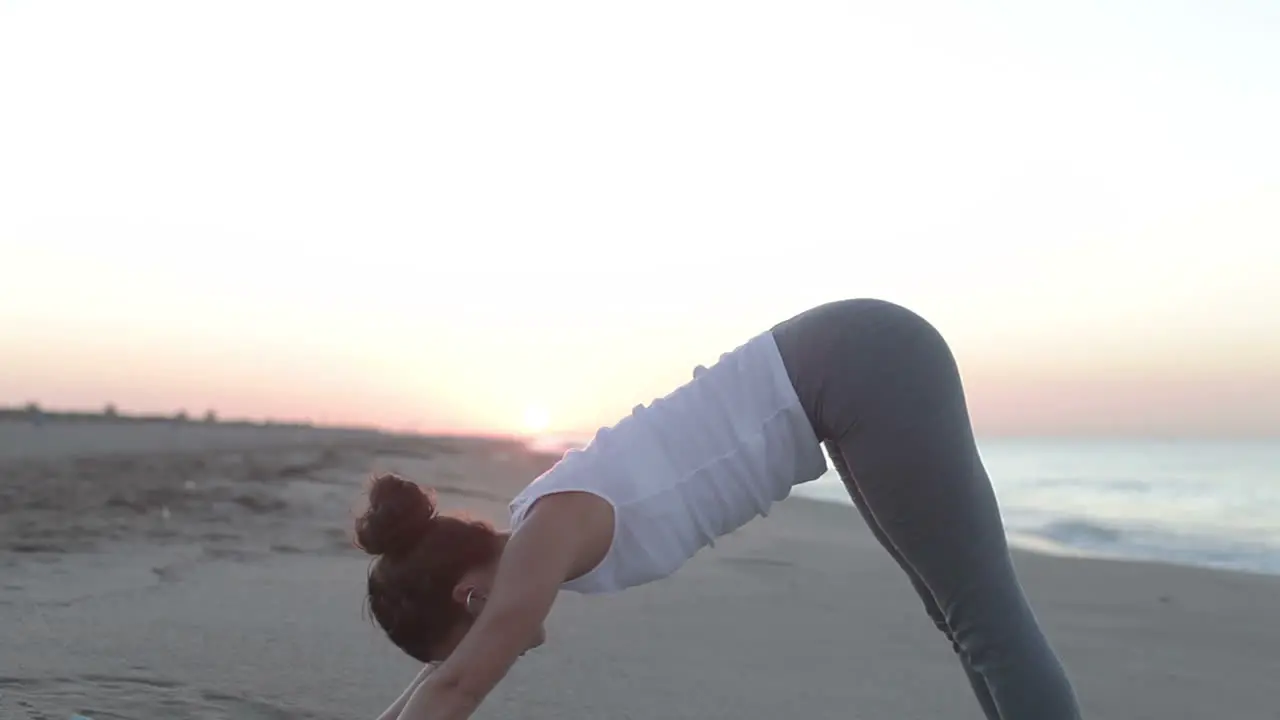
(883, 393)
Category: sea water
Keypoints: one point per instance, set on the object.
(1207, 503)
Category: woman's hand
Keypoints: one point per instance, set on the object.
(537, 559)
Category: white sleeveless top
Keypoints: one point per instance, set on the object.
(694, 465)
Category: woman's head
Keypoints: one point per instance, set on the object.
(432, 571)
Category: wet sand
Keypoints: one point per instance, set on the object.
(193, 571)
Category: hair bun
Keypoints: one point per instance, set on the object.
(400, 513)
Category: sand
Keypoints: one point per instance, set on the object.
(201, 571)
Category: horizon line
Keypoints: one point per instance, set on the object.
(567, 438)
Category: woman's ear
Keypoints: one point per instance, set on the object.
(473, 588)
(470, 594)
(465, 592)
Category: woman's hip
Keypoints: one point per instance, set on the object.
(864, 360)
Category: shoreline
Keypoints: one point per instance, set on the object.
(1034, 548)
(1044, 547)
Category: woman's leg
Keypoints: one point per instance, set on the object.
(881, 387)
(976, 681)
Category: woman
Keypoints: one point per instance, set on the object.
(871, 380)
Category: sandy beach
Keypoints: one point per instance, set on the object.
(201, 571)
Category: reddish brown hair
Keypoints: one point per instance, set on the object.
(420, 557)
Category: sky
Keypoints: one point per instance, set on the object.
(531, 217)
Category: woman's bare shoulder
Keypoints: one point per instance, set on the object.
(576, 521)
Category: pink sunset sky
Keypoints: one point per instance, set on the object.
(530, 217)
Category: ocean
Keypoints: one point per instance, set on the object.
(1203, 503)
(1214, 504)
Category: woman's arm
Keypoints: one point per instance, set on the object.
(393, 712)
(537, 559)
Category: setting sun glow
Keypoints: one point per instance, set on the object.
(536, 420)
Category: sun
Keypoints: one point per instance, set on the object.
(536, 419)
